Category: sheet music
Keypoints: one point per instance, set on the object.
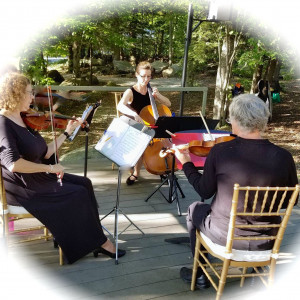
(123, 144)
(84, 116)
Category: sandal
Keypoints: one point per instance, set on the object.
(131, 181)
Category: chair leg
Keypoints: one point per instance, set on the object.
(243, 277)
(222, 280)
(6, 224)
(195, 266)
(272, 271)
(61, 257)
(46, 234)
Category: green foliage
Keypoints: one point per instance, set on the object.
(146, 30)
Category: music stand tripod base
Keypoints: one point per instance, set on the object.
(116, 210)
(173, 184)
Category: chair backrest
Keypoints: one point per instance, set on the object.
(118, 96)
(255, 202)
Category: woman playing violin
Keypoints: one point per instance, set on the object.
(249, 160)
(135, 99)
(69, 210)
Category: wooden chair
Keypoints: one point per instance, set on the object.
(262, 262)
(15, 213)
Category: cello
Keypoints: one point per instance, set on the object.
(153, 163)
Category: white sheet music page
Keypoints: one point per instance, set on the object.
(123, 144)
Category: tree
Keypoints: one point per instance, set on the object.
(227, 49)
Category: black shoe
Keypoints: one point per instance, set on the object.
(131, 181)
(110, 254)
(201, 281)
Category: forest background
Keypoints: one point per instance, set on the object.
(106, 39)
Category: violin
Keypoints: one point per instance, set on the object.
(199, 148)
(42, 120)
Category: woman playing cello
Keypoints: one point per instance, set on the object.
(135, 99)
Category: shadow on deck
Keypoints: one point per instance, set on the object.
(150, 269)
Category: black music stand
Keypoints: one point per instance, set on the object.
(177, 124)
(87, 116)
(116, 210)
(123, 143)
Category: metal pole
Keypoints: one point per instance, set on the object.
(186, 50)
(86, 152)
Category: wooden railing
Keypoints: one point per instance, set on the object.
(119, 89)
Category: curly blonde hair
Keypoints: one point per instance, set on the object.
(12, 90)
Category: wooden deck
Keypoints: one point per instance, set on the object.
(150, 269)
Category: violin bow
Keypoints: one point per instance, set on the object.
(205, 124)
(50, 100)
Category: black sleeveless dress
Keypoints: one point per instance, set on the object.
(139, 101)
(69, 211)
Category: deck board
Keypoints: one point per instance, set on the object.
(150, 269)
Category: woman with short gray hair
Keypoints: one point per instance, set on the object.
(249, 112)
(249, 160)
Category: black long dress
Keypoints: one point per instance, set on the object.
(69, 211)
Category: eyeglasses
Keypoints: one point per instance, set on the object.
(228, 121)
(145, 76)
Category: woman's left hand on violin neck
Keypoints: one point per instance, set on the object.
(73, 124)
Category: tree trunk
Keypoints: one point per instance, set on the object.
(274, 66)
(117, 52)
(91, 64)
(171, 33)
(70, 60)
(227, 51)
(133, 34)
(276, 85)
(266, 70)
(161, 44)
(257, 74)
(76, 58)
(43, 64)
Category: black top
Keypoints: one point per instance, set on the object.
(246, 162)
(139, 101)
(70, 211)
